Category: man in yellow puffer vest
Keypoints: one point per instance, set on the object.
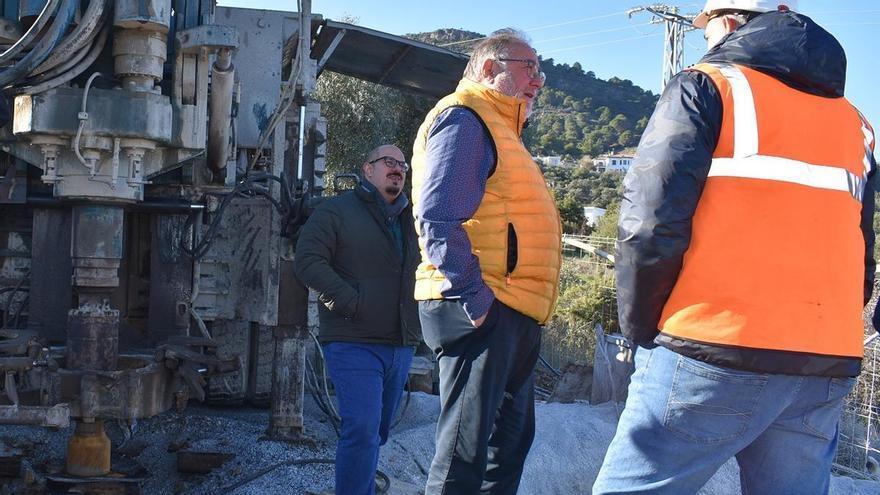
(490, 235)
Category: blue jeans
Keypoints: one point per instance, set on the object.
(369, 380)
(685, 418)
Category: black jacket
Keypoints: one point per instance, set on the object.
(346, 254)
(664, 184)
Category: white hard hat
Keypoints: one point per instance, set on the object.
(744, 5)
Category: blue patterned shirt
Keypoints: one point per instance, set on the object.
(459, 157)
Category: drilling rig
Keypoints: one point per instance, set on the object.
(161, 154)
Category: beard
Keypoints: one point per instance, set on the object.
(507, 86)
(392, 190)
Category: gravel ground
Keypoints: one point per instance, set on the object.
(569, 445)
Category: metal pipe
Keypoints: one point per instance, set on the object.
(288, 387)
(57, 416)
(88, 451)
(222, 86)
(93, 339)
(146, 206)
(302, 139)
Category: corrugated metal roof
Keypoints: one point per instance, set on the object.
(387, 59)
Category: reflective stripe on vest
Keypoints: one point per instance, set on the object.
(747, 163)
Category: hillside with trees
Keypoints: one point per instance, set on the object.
(576, 114)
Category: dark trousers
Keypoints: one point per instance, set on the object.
(487, 406)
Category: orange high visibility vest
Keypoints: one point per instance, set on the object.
(776, 259)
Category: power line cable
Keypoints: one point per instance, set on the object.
(589, 33)
(548, 26)
(601, 44)
(575, 21)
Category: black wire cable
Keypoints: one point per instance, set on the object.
(11, 297)
(246, 187)
(25, 303)
(315, 392)
(549, 366)
(405, 405)
(382, 487)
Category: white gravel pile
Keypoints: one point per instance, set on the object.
(569, 445)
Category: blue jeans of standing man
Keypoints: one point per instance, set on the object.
(369, 380)
(685, 418)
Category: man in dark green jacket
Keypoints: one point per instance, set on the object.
(359, 252)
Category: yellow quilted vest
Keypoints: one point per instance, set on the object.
(516, 205)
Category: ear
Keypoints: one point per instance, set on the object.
(488, 69)
(364, 168)
(730, 24)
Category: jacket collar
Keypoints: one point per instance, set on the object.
(510, 108)
(790, 47)
(368, 193)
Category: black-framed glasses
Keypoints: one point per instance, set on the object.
(533, 67)
(392, 162)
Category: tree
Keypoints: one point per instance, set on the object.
(619, 123)
(572, 214)
(604, 115)
(362, 115)
(607, 225)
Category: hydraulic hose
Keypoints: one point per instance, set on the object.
(67, 64)
(31, 34)
(82, 36)
(68, 76)
(41, 51)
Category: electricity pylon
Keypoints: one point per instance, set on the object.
(675, 25)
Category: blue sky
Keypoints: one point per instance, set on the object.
(599, 35)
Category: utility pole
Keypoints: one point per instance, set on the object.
(675, 25)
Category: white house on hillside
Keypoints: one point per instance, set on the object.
(548, 161)
(592, 214)
(620, 163)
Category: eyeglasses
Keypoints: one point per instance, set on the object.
(533, 66)
(392, 163)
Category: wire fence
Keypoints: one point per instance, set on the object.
(858, 449)
(587, 297)
(570, 340)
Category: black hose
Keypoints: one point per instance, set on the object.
(79, 39)
(25, 303)
(548, 366)
(63, 19)
(18, 287)
(405, 405)
(246, 187)
(315, 392)
(32, 33)
(93, 53)
(380, 487)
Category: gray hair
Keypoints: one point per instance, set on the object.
(494, 46)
